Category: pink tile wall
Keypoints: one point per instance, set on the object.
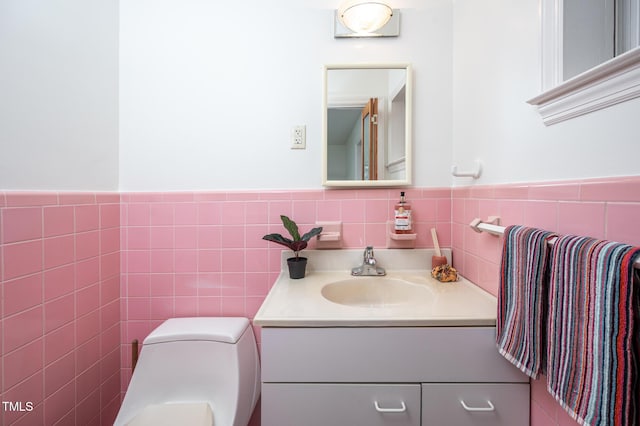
(82, 273)
(190, 254)
(60, 310)
(602, 208)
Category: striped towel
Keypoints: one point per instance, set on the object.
(522, 298)
(592, 352)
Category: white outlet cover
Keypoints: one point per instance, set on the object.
(299, 137)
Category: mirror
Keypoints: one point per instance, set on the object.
(366, 125)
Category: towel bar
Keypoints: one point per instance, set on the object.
(480, 226)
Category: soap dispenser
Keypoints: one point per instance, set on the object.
(402, 216)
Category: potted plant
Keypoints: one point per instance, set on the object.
(297, 265)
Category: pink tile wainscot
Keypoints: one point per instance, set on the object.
(60, 315)
(600, 208)
(202, 253)
(86, 273)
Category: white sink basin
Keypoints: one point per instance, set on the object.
(375, 292)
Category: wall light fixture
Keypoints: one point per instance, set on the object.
(363, 18)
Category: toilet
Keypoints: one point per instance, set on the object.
(195, 371)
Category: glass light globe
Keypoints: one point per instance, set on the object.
(364, 16)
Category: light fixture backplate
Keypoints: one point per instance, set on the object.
(390, 29)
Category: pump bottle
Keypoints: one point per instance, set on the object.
(402, 216)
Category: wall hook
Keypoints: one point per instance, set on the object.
(470, 173)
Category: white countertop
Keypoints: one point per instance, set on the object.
(300, 303)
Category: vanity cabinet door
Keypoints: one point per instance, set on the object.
(300, 404)
(475, 404)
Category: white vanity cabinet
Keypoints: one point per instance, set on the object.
(370, 376)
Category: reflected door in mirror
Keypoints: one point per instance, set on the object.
(369, 136)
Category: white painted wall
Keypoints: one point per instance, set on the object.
(496, 68)
(209, 91)
(58, 95)
(207, 101)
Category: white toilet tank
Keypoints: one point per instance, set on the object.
(198, 364)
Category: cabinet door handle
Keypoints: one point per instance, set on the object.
(489, 408)
(379, 409)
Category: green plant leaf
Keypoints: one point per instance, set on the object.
(299, 245)
(296, 244)
(311, 234)
(277, 238)
(291, 226)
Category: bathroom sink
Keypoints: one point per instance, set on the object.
(406, 297)
(375, 292)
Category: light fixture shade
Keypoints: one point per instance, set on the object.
(363, 17)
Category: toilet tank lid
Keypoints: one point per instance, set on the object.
(223, 329)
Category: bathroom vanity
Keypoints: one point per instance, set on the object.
(421, 353)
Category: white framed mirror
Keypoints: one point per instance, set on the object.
(366, 125)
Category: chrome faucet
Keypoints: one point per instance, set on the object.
(368, 267)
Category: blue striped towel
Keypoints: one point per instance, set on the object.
(522, 298)
(592, 359)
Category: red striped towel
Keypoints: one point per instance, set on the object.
(592, 359)
(522, 298)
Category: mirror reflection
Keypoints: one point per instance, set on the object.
(366, 125)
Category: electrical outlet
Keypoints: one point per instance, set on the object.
(299, 137)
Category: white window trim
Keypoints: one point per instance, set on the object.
(609, 83)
